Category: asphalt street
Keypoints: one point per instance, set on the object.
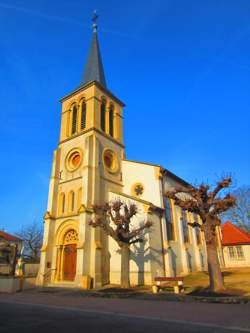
(29, 318)
(60, 313)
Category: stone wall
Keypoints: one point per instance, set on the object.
(5, 269)
(9, 284)
(31, 270)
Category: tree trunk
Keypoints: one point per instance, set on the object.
(125, 256)
(214, 270)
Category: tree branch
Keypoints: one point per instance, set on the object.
(224, 183)
(222, 205)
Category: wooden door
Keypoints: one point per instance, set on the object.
(69, 267)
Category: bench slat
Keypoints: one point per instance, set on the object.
(176, 278)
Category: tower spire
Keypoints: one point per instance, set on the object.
(94, 68)
(94, 19)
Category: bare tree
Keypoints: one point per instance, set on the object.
(240, 214)
(208, 206)
(120, 214)
(32, 236)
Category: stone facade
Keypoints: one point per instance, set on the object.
(89, 167)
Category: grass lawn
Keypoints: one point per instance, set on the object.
(237, 279)
(237, 283)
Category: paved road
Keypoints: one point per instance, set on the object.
(33, 312)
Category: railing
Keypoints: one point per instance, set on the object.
(47, 275)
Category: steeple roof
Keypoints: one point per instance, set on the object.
(94, 68)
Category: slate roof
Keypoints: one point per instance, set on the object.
(9, 237)
(94, 68)
(232, 235)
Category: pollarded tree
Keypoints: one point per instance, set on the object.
(208, 205)
(120, 214)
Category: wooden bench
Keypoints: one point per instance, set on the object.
(176, 282)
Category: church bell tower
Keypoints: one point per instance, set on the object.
(86, 167)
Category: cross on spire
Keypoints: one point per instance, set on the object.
(94, 19)
(94, 68)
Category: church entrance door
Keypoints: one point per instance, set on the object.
(69, 267)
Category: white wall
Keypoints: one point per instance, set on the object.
(145, 174)
(237, 262)
(146, 258)
(184, 257)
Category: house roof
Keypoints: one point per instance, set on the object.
(9, 237)
(232, 235)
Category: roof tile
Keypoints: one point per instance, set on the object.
(232, 235)
(9, 237)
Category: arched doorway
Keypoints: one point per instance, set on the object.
(69, 255)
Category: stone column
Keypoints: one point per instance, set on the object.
(61, 264)
(81, 245)
(107, 115)
(95, 257)
(118, 125)
(58, 262)
(196, 250)
(46, 250)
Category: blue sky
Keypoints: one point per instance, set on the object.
(181, 67)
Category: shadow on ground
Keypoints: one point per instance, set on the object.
(205, 292)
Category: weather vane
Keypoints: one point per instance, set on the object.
(94, 19)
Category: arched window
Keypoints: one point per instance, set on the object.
(79, 198)
(103, 115)
(61, 203)
(68, 126)
(71, 237)
(71, 201)
(74, 120)
(169, 219)
(184, 226)
(197, 230)
(111, 120)
(83, 115)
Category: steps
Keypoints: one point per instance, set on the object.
(63, 284)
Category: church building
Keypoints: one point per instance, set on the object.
(90, 167)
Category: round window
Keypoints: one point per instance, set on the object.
(137, 189)
(73, 160)
(110, 160)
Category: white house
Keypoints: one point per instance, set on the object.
(235, 245)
